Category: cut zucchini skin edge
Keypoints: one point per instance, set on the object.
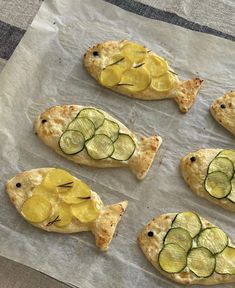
(173, 236)
(87, 134)
(128, 156)
(85, 113)
(224, 267)
(114, 135)
(107, 139)
(221, 164)
(79, 149)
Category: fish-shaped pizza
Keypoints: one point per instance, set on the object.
(54, 200)
(135, 71)
(188, 249)
(210, 173)
(223, 110)
(90, 136)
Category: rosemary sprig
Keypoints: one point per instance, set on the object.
(121, 84)
(53, 221)
(89, 197)
(139, 65)
(149, 51)
(66, 185)
(115, 62)
(173, 72)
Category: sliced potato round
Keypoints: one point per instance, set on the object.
(189, 221)
(123, 63)
(218, 185)
(201, 262)
(135, 80)
(99, 147)
(71, 142)
(36, 209)
(230, 154)
(172, 258)
(225, 261)
(109, 128)
(231, 195)
(135, 52)
(56, 177)
(124, 147)
(222, 164)
(110, 76)
(156, 65)
(213, 239)
(85, 212)
(96, 116)
(83, 125)
(64, 215)
(163, 83)
(179, 236)
(48, 191)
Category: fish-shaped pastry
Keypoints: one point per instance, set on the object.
(188, 249)
(135, 71)
(54, 200)
(223, 110)
(210, 174)
(90, 136)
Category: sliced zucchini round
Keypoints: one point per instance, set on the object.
(218, 185)
(179, 236)
(189, 221)
(71, 142)
(230, 154)
(213, 239)
(83, 125)
(124, 147)
(201, 262)
(99, 147)
(172, 258)
(109, 128)
(231, 195)
(222, 164)
(92, 114)
(225, 261)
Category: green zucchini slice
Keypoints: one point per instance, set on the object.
(225, 261)
(201, 262)
(124, 147)
(179, 236)
(230, 154)
(172, 258)
(94, 115)
(99, 147)
(189, 221)
(83, 125)
(218, 185)
(231, 195)
(71, 142)
(109, 128)
(213, 239)
(222, 164)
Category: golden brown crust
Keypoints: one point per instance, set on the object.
(225, 116)
(151, 246)
(57, 119)
(184, 93)
(194, 174)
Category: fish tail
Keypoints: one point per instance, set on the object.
(147, 149)
(105, 225)
(186, 93)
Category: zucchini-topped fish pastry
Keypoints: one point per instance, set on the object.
(223, 110)
(92, 137)
(188, 249)
(133, 70)
(54, 200)
(210, 174)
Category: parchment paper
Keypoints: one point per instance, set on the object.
(46, 69)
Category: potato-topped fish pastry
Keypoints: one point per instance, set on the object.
(90, 136)
(54, 200)
(188, 249)
(210, 174)
(133, 70)
(223, 110)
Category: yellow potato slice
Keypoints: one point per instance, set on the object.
(110, 76)
(135, 79)
(121, 62)
(85, 212)
(64, 215)
(155, 65)
(135, 52)
(36, 209)
(79, 193)
(57, 177)
(163, 83)
(41, 190)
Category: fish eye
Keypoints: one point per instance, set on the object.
(193, 159)
(44, 121)
(222, 106)
(150, 234)
(18, 185)
(95, 53)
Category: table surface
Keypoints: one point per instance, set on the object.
(16, 16)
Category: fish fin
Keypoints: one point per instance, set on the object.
(186, 93)
(105, 225)
(147, 150)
